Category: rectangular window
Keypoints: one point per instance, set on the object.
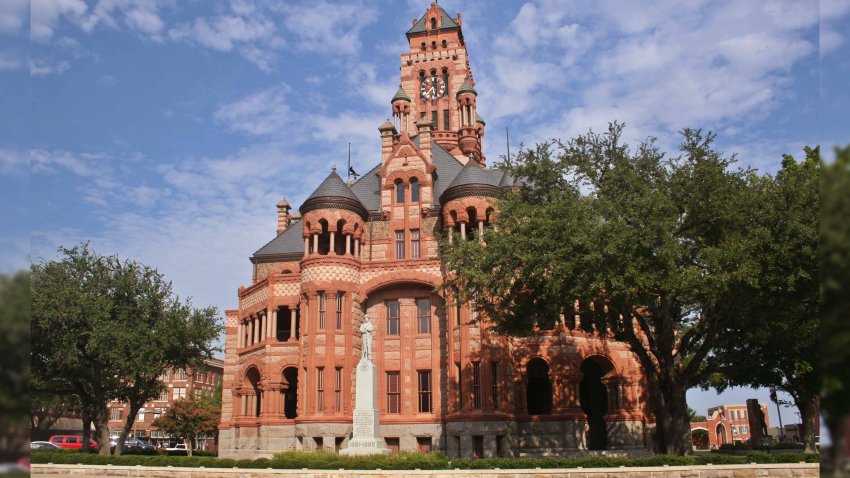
(320, 389)
(459, 388)
(393, 317)
(446, 120)
(399, 245)
(500, 439)
(494, 384)
(393, 393)
(163, 396)
(392, 444)
(478, 446)
(423, 315)
(116, 414)
(322, 304)
(457, 310)
(476, 385)
(424, 391)
(423, 444)
(434, 119)
(338, 390)
(339, 298)
(180, 374)
(414, 244)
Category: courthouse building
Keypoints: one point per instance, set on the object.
(445, 381)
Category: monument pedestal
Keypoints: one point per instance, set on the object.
(365, 439)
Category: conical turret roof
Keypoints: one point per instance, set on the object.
(467, 87)
(333, 192)
(400, 95)
(472, 180)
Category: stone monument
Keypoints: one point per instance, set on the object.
(365, 439)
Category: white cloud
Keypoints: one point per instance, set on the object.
(13, 16)
(262, 113)
(45, 15)
(45, 66)
(319, 26)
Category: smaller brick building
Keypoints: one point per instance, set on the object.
(725, 424)
(179, 383)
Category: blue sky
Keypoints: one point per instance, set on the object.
(166, 130)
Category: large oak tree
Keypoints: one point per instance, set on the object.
(105, 328)
(652, 248)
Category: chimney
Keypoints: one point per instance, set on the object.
(283, 217)
(424, 127)
(388, 132)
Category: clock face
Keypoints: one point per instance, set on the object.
(433, 88)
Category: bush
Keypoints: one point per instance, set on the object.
(411, 460)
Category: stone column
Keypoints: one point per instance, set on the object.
(315, 243)
(463, 230)
(255, 329)
(348, 244)
(293, 313)
(239, 335)
(273, 325)
(306, 246)
(480, 231)
(332, 245)
(357, 247)
(451, 234)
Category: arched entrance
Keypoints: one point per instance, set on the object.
(253, 377)
(538, 387)
(594, 400)
(720, 434)
(290, 393)
(699, 438)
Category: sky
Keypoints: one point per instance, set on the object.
(165, 131)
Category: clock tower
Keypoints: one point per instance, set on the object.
(437, 86)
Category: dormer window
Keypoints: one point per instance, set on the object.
(414, 190)
(399, 191)
(433, 24)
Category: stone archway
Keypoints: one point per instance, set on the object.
(290, 393)
(538, 388)
(699, 438)
(594, 400)
(253, 377)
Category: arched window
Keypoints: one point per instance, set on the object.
(593, 397)
(399, 191)
(538, 387)
(414, 190)
(422, 46)
(444, 44)
(256, 401)
(433, 45)
(290, 393)
(433, 24)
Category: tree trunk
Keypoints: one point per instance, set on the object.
(101, 427)
(189, 442)
(128, 424)
(837, 431)
(86, 415)
(807, 408)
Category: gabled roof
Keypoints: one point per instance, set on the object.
(290, 242)
(446, 23)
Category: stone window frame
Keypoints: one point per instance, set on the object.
(393, 392)
(320, 389)
(425, 391)
(393, 322)
(415, 244)
(322, 309)
(423, 319)
(476, 384)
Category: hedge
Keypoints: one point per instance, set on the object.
(412, 460)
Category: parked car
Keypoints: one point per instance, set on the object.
(178, 449)
(44, 445)
(133, 444)
(72, 442)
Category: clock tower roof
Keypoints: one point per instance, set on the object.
(445, 22)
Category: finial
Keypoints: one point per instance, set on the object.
(334, 167)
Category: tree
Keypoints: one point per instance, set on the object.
(779, 323)
(14, 374)
(106, 328)
(694, 417)
(190, 418)
(835, 311)
(651, 248)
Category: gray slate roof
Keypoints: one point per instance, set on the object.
(400, 95)
(333, 186)
(290, 242)
(467, 87)
(368, 189)
(421, 26)
(472, 173)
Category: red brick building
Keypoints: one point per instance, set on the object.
(179, 383)
(726, 424)
(369, 246)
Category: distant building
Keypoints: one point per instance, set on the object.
(724, 424)
(179, 383)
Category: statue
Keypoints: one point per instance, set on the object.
(366, 328)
